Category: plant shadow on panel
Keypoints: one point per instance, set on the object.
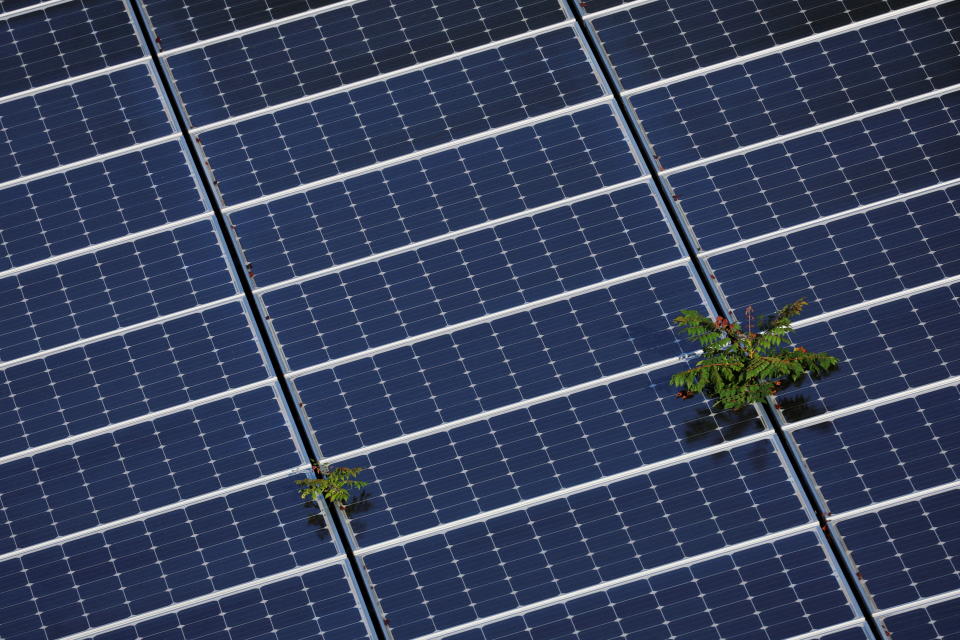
(742, 365)
(730, 424)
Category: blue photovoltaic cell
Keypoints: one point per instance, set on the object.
(768, 592)
(112, 288)
(67, 124)
(884, 349)
(822, 173)
(160, 366)
(177, 23)
(64, 41)
(95, 203)
(908, 551)
(665, 38)
(851, 260)
(435, 194)
(143, 467)
(592, 536)
(339, 47)
(319, 605)
(467, 277)
(385, 120)
(885, 452)
(495, 364)
(803, 87)
(527, 453)
(938, 621)
(153, 563)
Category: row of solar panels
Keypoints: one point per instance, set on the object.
(458, 375)
(148, 455)
(811, 169)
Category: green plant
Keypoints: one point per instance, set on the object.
(740, 366)
(333, 485)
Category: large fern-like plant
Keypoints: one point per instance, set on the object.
(740, 366)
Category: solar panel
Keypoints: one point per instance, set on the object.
(79, 121)
(319, 604)
(823, 173)
(771, 591)
(801, 87)
(379, 122)
(760, 593)
(112, 288)
(167, 558)
(938, 621)
(884, 349)
(97, 202)
(120, 378)
(470, 276)
(523, 454)
(64, 41)
(665, 38)
(596, 618)
(339, 47)
(435, 194)
(885, 452)
(491, 365)
(177, 24)
(907, 551)
(857, 258)
(148, 465)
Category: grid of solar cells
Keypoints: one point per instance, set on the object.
(112, 288)
(803, 87)
(768, 592)
(567, 544)
(938, 621)
(495, 364)
(78, 121)
(386, 120)
(661, 39)
(847, 261)
(435, 194)
(885, 452)
(130, 375)
(907, 551)
(339, 47)
(882, 350)
(164, 559)
(818, 174)
(584, 437)
(178, 23)
(64, 41)
(146, 466)
(95, 203)
(533, 451)
(319, 605)
(470, 276)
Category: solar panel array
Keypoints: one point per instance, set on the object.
(445, 242)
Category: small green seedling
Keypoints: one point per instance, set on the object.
(333, 485)
(742, 366)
